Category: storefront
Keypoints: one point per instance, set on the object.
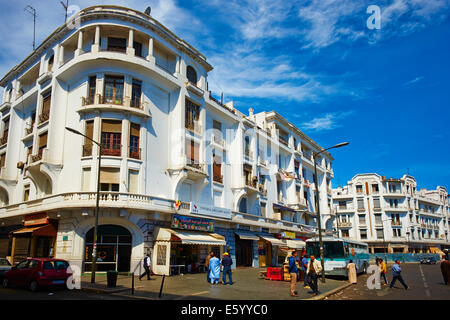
(36, 239)
(269, 249)
(244, 242)
(184, 246)
(113, 249)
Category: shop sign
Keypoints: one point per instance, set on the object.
(212, 211)
(288, 235)
(35, 219)
(191, 223)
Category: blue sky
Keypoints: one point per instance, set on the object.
(315, 62)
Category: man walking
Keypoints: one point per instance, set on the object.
(208, 257)
(293, 272)
(313, 271)
(383, 270)
(147, 264)
(396, 275)
(304, 263)
(226, 263)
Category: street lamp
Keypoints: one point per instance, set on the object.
(384, 240)
(315, 154)
(97, 208)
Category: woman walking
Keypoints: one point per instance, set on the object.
(351, 272)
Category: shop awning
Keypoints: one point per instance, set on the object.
(42, 231)
(280, 207)
(295, 244)
(246, 236)
(193, 238)
(274, 241)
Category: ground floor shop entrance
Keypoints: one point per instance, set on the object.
(113, 249)
(244, 252)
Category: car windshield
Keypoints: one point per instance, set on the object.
(332, 249)
(4, 262)
(55, 265)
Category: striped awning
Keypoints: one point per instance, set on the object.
(274, 241)
(295, 244)
(193, 238)
(246, 236)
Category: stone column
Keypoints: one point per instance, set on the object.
(61, 55)
(130, 48)
(96, 45)
(79, 49)
(150, 56)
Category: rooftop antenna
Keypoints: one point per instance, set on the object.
(66, 7)
(148, 11)
(32, 11)
(221, 98)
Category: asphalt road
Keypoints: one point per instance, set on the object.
(425, 282)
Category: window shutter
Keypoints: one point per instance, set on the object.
(135, 129)
(110, 175)
(112, 126)
(43, 140)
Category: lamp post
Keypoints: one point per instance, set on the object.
(97, 204)
(384, 240)
(315, 154)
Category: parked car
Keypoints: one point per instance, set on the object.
(4, 266)
(35, 273)
(428, 260)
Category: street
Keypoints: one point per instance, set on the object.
(425, 282)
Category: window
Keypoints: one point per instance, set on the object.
(133, 181)
(360, 204)
(378, 220)
(135, 151)
(342, 205)
(86, 177)
(191, 75)
(192, 153)
(136, 93)
(2, 160)
(46, 102)
(376, 203)
(113, 90)
(87, 147)
(297, 168)
(217, 168)
(243, 205)
(92, 89)
(26, 193)
(345, 233)
(42, 144)
(362, 219)
(363, 234)
(397, 232)
(380, 234)
(247, 145)
(5, 131)
(161, 255)
(111, 137)
(375, 188)
(248, 175)
(359, 189)
(192, 115)
(117, 44)
(217, 132)
(263, 209)
(109, 179)
(50, 63)
(137, 48)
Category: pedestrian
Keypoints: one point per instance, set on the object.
(377, 261)
(446, 257)
(304, 263)
(147, 265)
(208, 257)
(226, 263)
(383, 271)
(214, 267)
(293, 273)
(313, 271)
(351, 272)
(396, 275)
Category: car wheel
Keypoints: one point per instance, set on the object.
(5, 283)
(33, 286)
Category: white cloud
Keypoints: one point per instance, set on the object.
(327, 122)
(415, 80)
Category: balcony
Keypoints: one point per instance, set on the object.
(29, 131)
(262, 189)
(396, 223)
(87, 150)
(218, 178)
(194, 126)
(116, 103)
(283, 140)
(248, 154)
(218, 140)
(348, 208)
(4, 140)
(4, 106)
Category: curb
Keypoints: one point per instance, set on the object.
(103, 291)
(329, 293)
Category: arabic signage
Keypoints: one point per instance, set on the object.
(191, 223)
(288, 235)
(35, 219)
(207, 210)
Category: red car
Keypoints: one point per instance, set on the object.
(37, 272)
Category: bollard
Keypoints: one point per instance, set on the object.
(132, 283)
(162, 284)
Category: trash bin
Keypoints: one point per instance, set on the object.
(111, 279)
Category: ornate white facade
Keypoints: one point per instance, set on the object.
(124, 80)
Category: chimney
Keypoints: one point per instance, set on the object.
(250, 112)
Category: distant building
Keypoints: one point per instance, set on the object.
(392, 213)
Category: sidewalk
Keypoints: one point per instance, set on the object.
(247, 286)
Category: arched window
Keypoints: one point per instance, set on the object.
(191, 75)
(50, 63)
(243, 205)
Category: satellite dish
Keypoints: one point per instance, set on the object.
(148, 11)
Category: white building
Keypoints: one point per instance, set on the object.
(391, 214)
(170, 153)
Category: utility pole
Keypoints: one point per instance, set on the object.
(32, 11)
(66, 7)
